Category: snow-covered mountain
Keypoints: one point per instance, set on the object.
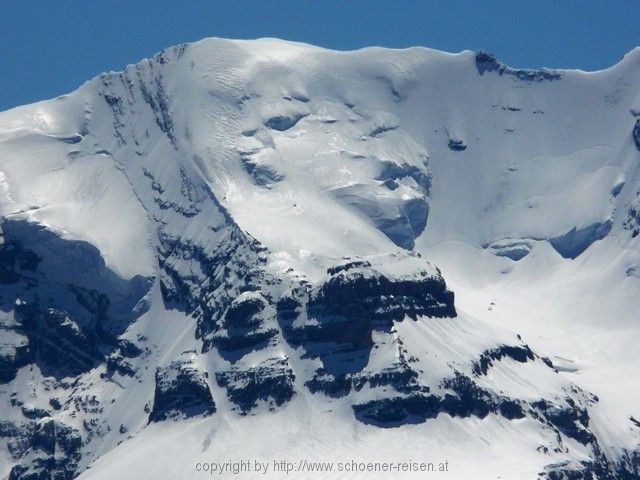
(268, 251)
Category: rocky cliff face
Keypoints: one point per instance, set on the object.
(67, 305)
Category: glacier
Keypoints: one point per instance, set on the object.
(268, 251)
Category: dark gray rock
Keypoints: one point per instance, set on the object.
(219, 275)
(400, 378)
(271, 382)
(63, 299)
(15, 353)
(181, 390)
(360, 296)
(248, 324)
(362, 289)
(519, 353)
(121, 360)
(456, 145)
(53, 452)
(487, 62)
(31, 412)
(571, 419)
(466, 399)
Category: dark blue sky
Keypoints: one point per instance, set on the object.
(48, 48)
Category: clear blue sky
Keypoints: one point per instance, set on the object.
(48, 48)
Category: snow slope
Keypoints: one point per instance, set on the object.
(270, 251)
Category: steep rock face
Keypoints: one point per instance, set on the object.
(270, 382)
(15, 353)
(360, 295)
(467, 400)
(120, 360)
(181, 390)
(203, 280)
(386, 288)
(62, 299)
(246, 325)
(45, 449)
(339, 320)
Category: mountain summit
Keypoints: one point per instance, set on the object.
(268, 251)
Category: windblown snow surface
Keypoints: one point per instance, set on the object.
(268, 251)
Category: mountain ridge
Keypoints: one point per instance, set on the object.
(407, 243)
